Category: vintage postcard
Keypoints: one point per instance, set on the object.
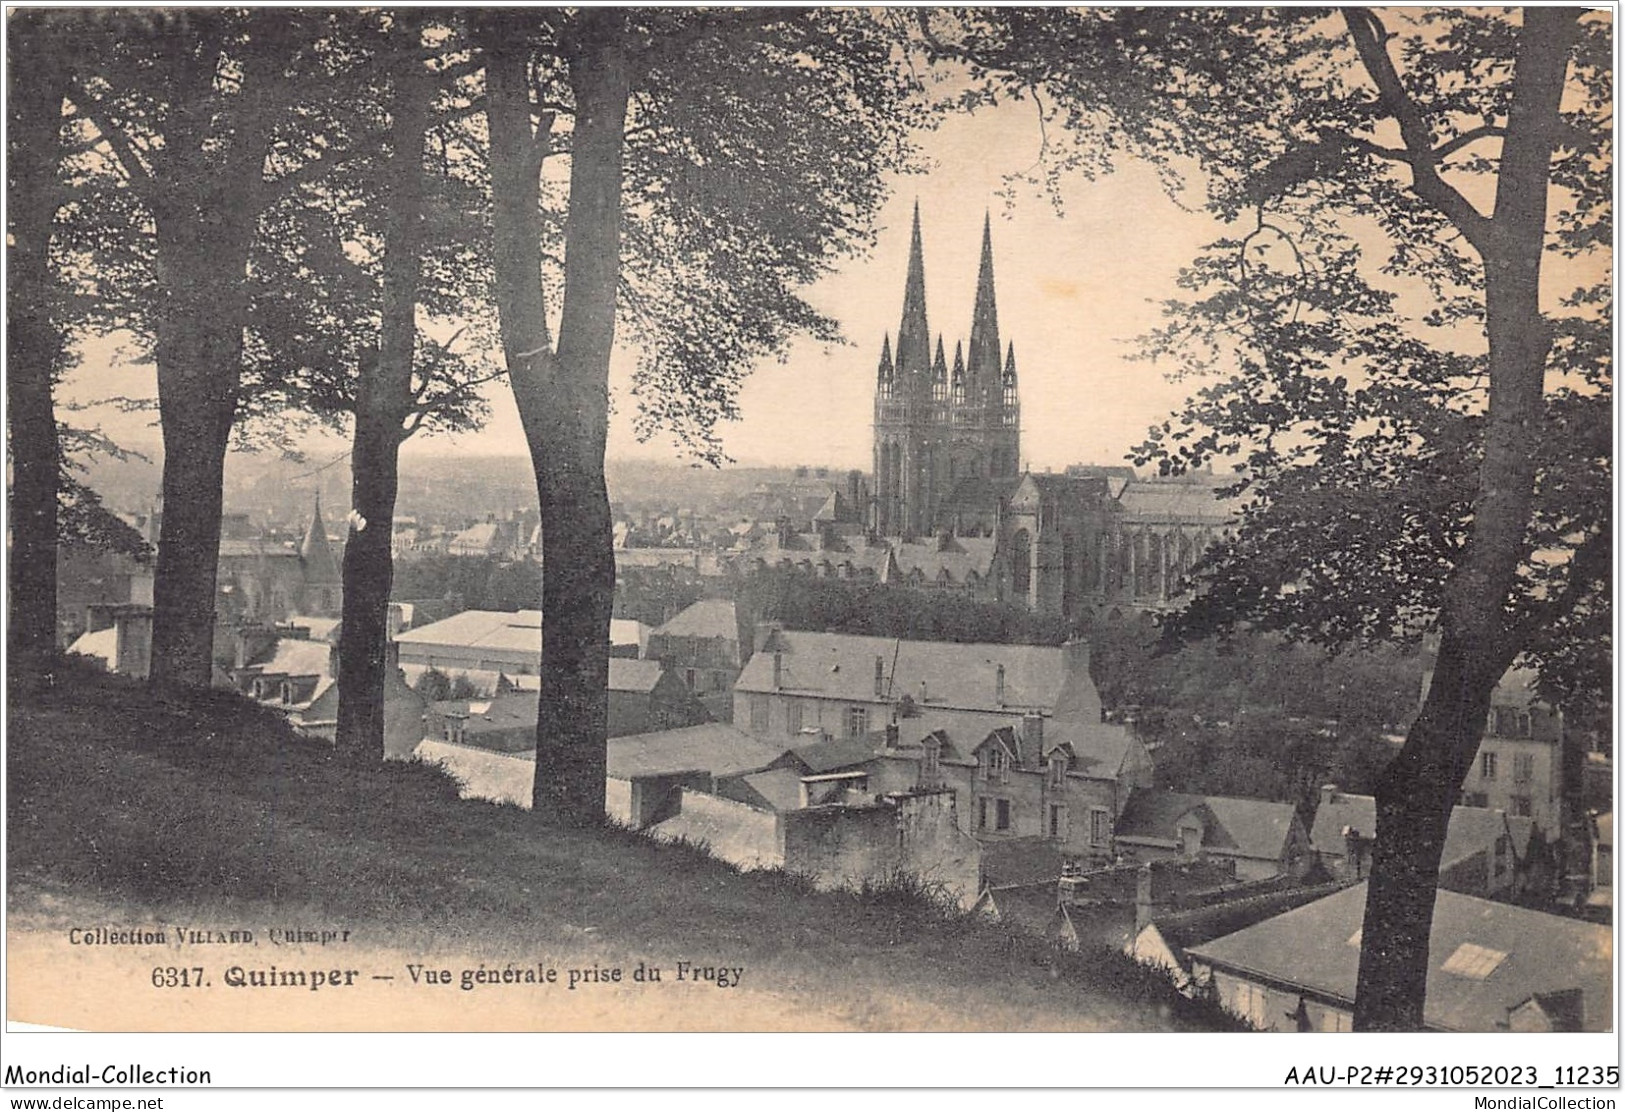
(1079, 521)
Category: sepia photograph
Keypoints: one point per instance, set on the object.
(1095, 522)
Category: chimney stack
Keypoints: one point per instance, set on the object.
(1032, 732)
(1328, 794)
(1145, 907)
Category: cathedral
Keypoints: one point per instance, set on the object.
(954, 510)
(935, 426)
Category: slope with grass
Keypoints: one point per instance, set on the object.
(127, 809)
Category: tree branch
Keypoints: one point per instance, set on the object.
(1591, 561)
(1446, 149)
(1370, 37)
(94, 110)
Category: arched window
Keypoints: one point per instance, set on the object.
(939, 387)
(1021, 558)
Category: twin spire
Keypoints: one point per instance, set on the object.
(978, 378)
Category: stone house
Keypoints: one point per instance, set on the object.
(1262, 838)
(1482, 856)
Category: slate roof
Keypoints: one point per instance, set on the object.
(962, 676)
(1471, 828)
(709, 617)
(294, 657)
(1099, 749)
(714, 747)
(513, 630)
(1310, 947)
(1022, 861)
(257, 548)
(1256, 828)
(777, 789)
(487, 535)
(833, 754)
(1181, 930)
(1189, 501)
(633, 675)
(960, 558)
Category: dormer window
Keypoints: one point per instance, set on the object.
(996, 764)
(1057, 770)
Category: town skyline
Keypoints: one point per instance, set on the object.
(1084, 400)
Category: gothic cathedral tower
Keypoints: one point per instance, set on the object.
(935, 428)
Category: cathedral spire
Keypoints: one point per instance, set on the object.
(315, 553)
(984, 329)
(913, 335)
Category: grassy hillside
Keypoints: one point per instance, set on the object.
(136, 808)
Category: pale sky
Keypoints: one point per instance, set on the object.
(1074, 290)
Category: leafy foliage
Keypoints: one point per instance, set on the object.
(800, 601)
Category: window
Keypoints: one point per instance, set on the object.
(857, 721)
(1486, 765)
(981, 814)
(1057, 770)
(880, 677)
(1100, 826)
(792, 717)
(1522, 806)
(998, 682)
(1057, 821)
(1523, 768)
(688, 678)
(1473, 962)
(1605, 866)
(761, 712)
(1511, 722)
(996, 764)
(1002, 812)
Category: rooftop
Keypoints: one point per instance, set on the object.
(1256, 828)
(931, 673)
(714, 747)
(1484, 958)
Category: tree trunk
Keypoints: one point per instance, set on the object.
(206, 213)
(384, 397)
(1479, 642)
(199, 357)
(563, 398)
(34, 344)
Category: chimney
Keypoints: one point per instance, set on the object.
(251, 641)
(1145, 907)
(1353, 862)
(924, 696)
(1328, 794)
(1032, 732)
